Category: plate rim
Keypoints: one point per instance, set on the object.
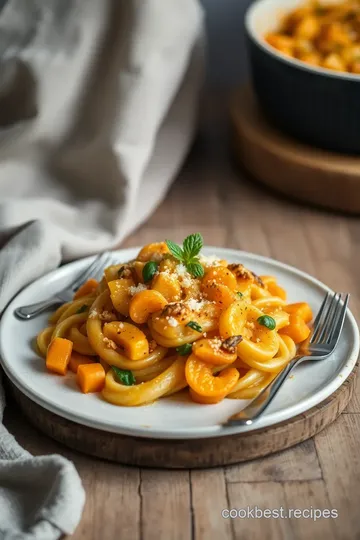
(186, 433)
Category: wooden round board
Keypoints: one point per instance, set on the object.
(193, 453)
(306, 173)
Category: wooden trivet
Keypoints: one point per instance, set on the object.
(302, 172)
(199, 453)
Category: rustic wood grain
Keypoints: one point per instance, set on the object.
(165, 499)
(298, 463)
(338, 451)
(212, 196)
(263, 495)
(295, 169)
(108, 485)
(309, 495)
(206, 522)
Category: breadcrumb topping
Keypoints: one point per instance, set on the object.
(109, 343)
(107, 316)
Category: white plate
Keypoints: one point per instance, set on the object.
(175, 417)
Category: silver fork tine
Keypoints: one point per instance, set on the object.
(318, 322)
(338, 323)
(328, 323)
(330, 318)
(95, 269)
(89, 271)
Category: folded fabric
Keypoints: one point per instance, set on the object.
(98, 102)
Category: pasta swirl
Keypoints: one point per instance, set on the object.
(171, 320)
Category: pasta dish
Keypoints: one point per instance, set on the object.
(170, 320)
(325, 34)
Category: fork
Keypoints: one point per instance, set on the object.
(323, 339)
(95, 270)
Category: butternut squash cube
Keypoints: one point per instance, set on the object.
(58, 355)
(128, 336)
(91, 377)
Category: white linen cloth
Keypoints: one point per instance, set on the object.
(98, 103)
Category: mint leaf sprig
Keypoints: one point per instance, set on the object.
(188, 254)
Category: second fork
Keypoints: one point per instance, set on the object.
(95, 270)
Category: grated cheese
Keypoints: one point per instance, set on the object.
(157, 256)
(211, 260)
(138, 288)
(172, 322)
(181, 270)
(183, 274)
(195, 305)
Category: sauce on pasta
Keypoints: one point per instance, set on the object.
(172, 319)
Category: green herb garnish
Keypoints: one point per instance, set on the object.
(195, 326)
(185, 349)
(124, 376)
(266, 320)
(188, 254)
(240, 294)
(149, 270)
(83, 308)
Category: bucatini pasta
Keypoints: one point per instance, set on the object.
(321, 34)
(173, 319)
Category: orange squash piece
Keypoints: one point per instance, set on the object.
(167, 285)
(77, 360)
(272, 286)
(120, 295)
(297, 329)
(138, 267)
(153, 252)
(302, 309)
(222, 276)
(200, 377)
(91, 377)
(144, 303)
(209, 351)
(87, 288)
(276, 290)
(218, 293)
(128, 336)
(58, 355)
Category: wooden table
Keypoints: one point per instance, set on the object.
(130, 504)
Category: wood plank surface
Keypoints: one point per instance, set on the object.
(211, 195)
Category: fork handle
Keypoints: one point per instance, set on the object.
(28, 312)
(263, 400)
